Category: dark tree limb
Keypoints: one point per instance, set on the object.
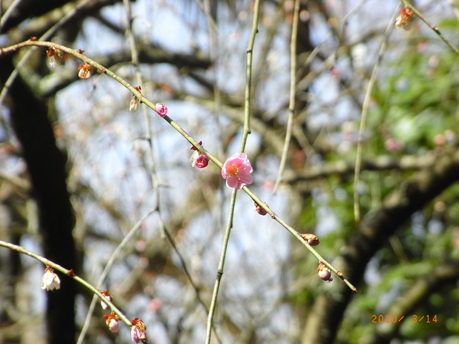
(147, 55)
(46, 167)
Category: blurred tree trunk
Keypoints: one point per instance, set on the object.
(46, 166)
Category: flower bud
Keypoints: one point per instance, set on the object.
(311, 239)
(324, 272)
(56, 57)
(138, 331)
(260, 210)
(405, 18)
(199, 160)
(84, 71)
(112, 322)
(50, 280)
(161, 109)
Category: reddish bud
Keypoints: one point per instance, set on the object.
(405, 17)
(311, 239)
(199, 160)
(259, 209)
(194, 148)
(56, 57)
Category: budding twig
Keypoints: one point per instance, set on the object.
(71, 274)
(433, 27)
(136, 92)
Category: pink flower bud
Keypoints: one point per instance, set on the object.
(161, 109)
(199, 160)
(113, 325)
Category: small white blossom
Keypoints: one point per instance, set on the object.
(113, 325)
(50, 280)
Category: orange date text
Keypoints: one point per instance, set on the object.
(385, 318)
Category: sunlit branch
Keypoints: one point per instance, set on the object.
(363, 119)
(291, 105)
(245, 133)
(221, 266)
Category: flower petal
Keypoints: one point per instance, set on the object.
(232, 182)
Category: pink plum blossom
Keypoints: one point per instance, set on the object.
(236, 170)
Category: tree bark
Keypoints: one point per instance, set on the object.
(46, 167)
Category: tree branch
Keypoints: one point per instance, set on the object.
(346, 168)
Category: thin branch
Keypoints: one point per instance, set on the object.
(433, 27)
(345, 168)
(249, 70)
(221, 266)
(9, 11)
(107, 268)
(291, 106)
(246, 132)
(151, 155)
(363, 119)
